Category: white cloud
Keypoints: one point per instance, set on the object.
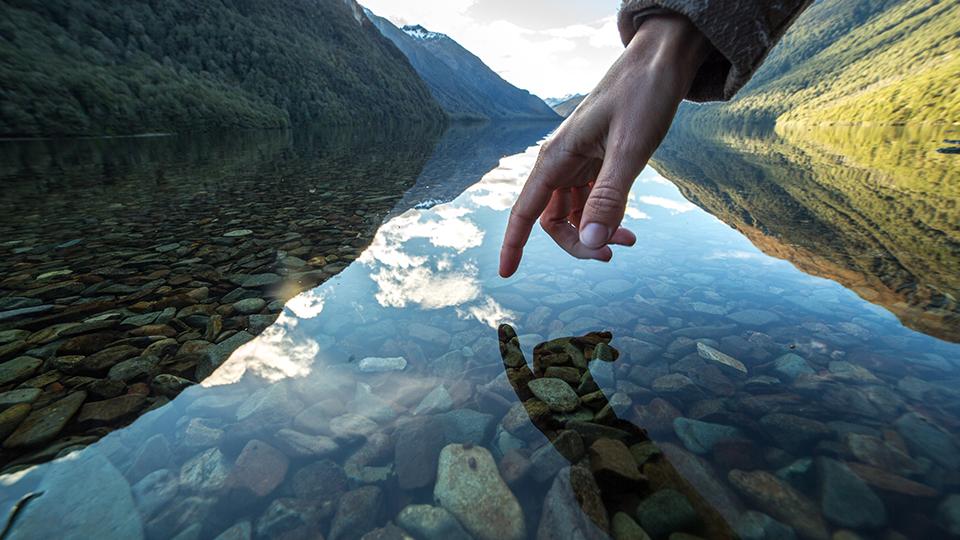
(554, 61)
(675, 207)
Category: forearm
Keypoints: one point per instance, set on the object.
(741, 33)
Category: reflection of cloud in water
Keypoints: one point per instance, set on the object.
(489, 313)
(675, 207)
(273, 356)
(431, 288)
(499, 188)
(307, 305)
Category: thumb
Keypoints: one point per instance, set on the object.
(607, 202)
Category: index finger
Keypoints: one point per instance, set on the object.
(526, 211)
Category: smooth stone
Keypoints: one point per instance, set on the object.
(269, 406)
(237, 233)
(143, 367)
(201, 433)
(18, 369)
(549, 459)
(427, 522)
(623, 527)
(11, 417)
(729, 363)
(352, 427)
(845, 499)
(678, 385)
(790, 366)
(470, 487)
(357, 514)
(152, 455)
(891, 483)
(429, 334)
(66, 508)
(169, 385)
(154, 491)
(702, 477)
(42, 425)
(16, 397)
(925, 438)
(260, 280)
(259, 469)
(466, 426)
(217, 354)
(287, 516)
(664, 512)
(754, 317)
(322, 482)
(613, 287)
(792, 433)
(612, 463)
(107, 358)
(250, 306)
(949, 514)
(573, 508)
(377, 365)
(437, 401)
(753, 525)
(207, 471)
(303, 445)
(416, 452)
(239, 531)
(110, 411)
(556, 393)
(781, 501)
(700, 437)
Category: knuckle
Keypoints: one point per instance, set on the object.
(606, 199)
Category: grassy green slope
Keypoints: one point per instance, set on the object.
(855, 61)
(102, 67)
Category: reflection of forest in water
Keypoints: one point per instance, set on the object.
(876, 209)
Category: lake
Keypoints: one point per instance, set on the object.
(776, 358)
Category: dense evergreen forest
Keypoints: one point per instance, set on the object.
(93, 67)
(855, 61)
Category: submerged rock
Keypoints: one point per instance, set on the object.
(376, 365)
(573, 509)
(725, 361)
(700, 437)
(427, 522)
(753, 525)
(781, 501)
(666, 511)
(845, 499)
(66, 509)
(357, 514)
(556, 393)
(927, 439)
(470, 487)
(42, 425)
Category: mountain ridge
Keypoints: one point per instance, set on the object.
(465, 87)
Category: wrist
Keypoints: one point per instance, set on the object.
(669, 44)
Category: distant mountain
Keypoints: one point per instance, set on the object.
(104, 67)
(553, 101)
(463, 85)
(853, 61)
(566, 107)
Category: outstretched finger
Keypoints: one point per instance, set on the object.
(526, 211)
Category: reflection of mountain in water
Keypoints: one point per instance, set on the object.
(465, 153)
(877, 210)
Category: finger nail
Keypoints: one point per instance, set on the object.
(594, 235)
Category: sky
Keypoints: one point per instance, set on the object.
(550, 47)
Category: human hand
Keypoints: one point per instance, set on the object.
(579, 185)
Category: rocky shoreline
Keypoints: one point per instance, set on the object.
(114, 299)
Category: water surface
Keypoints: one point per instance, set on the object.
(773, 359)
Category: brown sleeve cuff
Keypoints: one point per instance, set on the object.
(742, 33)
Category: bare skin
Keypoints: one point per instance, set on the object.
(579, 185)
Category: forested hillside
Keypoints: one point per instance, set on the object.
(853, 61)
(105, 67)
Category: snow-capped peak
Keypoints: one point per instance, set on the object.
(418, 32)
